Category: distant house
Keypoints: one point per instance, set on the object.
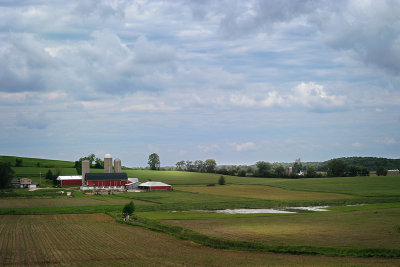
(24, 183)
(150, 186)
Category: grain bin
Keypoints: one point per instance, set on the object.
(108, 163)
(117, 165)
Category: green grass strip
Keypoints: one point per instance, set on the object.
(60, 210)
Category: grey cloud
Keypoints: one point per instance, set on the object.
(101, 8)
(37, 121)
(23, 64)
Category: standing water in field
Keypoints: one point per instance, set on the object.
(251, 211)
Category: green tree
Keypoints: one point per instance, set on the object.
(279, 171)
(128, 210)
(311, 173)
(49, 175)
(354, 170)
(98, 163)
(221, 180)
(242, 173)
(154, 161)
(18, 162)
(336, 168)
(364, 171)
(263, 169)
(180, 165)
(199, 165)
(381, 171)
(6, 174)
(210, 165)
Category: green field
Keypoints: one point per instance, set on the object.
(376, 228)
(364, 221)
(260, 192)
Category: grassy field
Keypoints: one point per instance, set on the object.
(371, 228)
(97, 240)
(33, 162)
(359, 186)
(260, 192)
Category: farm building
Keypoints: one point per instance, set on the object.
(150, 186)
(24, 183)
(70, 180)
(133, 183)
(106, 179)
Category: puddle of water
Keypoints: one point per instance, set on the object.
(316, 208)
(260, 211)
(252, 211)
(355, 205)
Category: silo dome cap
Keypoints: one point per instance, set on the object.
(106, 156)
(117, 159)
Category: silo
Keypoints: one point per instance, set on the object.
(108, 164)
(117, 165)
(85, 169)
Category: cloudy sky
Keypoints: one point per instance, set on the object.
(237, 81)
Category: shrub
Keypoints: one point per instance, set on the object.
(221, 180)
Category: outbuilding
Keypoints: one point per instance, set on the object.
(70, 180)
(150, 186)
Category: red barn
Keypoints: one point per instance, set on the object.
(70, 180)
(150, 186)
(106, 179)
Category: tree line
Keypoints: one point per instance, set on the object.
(334, 168)
(209, 165)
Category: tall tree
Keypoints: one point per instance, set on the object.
(18, 162)
(99, 163)
(189, 166)
(6, 174)
(263, 169)
(180, 165)
(210, 165)
(154, 161)
(128, 210)
(279, 170)
(381, 171)
(199, 165)
(337, 167)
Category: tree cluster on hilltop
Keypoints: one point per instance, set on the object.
(208, 165)
(372, 163)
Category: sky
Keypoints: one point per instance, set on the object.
(236, 81)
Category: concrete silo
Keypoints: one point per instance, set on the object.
(108, 168)
(85, 169)
(117, 165)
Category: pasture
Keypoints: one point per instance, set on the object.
(375, 227)
(97, 240)
(260, 192)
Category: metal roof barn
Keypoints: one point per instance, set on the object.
(106, 179)
(150, 186)
(70, 180)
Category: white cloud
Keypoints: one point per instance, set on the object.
(209, 149)
(246, 146)
(387, 141)
(357, 144)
